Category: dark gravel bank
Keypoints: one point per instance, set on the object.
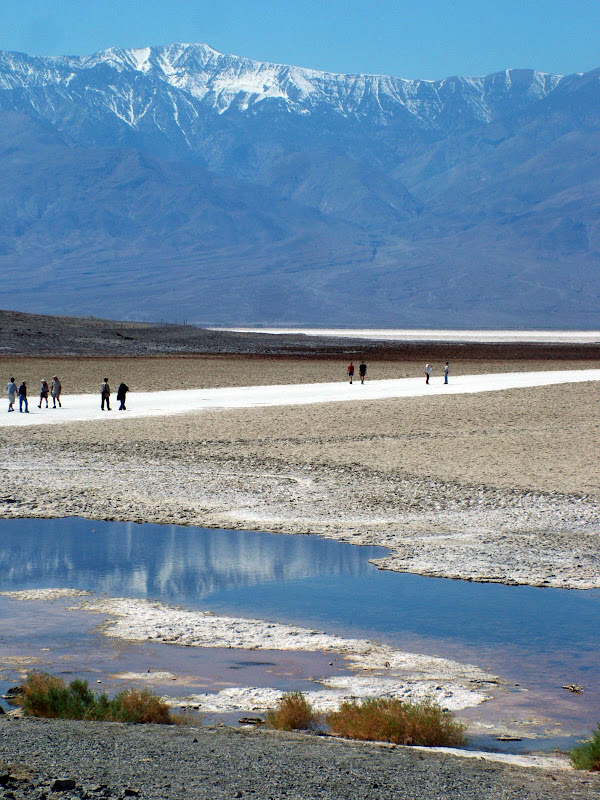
(36, 335)
(110, 760)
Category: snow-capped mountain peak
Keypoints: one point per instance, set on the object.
(226, 82)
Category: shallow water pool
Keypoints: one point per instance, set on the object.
(541, 639)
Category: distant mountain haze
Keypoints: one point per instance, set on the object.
(180, 183)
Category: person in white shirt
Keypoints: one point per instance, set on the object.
(446, 371)
(427, 372)
(11, 393)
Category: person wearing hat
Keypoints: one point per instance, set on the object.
(23, 397)
(55, 391)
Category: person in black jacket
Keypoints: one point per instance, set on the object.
(23, 397)
(121, 393)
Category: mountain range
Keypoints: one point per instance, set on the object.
(180, 183)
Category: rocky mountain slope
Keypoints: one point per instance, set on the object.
(177, 182)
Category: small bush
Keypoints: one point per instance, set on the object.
(141, 707)
(42, 695)
(587, 754)
(45, 695)
(391, 720)
(294, 712)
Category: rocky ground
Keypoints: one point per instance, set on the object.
(49, 758)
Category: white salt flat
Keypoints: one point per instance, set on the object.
(82, 407)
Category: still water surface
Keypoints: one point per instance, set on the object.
(541, 637)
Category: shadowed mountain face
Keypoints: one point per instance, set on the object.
(177, 182)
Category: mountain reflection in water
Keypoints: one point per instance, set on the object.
(170, 562)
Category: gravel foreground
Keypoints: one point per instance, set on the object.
(109, 760)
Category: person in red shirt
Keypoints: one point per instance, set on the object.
(350, 371)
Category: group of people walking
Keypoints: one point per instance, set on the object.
(362, 371)
(53, 390)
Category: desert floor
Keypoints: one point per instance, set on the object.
(499, 486)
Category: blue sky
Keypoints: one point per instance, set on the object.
(413, 39)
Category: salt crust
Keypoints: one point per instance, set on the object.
(526, 512)
(385, 671)
(44, 594)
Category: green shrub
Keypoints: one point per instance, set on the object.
(587, 754)
(141, 707)
(293, 712)
(391, 720)
(45, 695)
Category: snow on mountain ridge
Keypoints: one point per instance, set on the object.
(225, 82)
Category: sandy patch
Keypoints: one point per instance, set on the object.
(21, 661)
(540, 762)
